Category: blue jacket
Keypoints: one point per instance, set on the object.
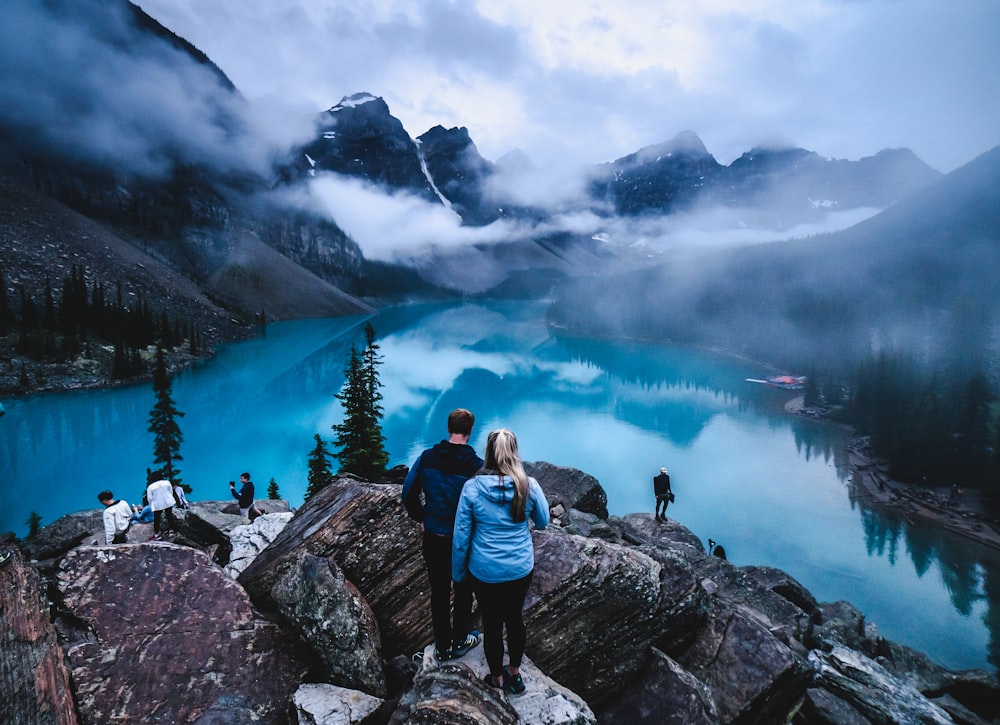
(439, 475)
(488, 543)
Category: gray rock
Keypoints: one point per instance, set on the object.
(570, 487)
(596, 604)
(753, 675)
(452, 694)
(820, 707)
(158, 633)
(543, 701)
(248, 540)
(365, 529)
(334, 620)
(64, 533)
(663, 693)
(872, 690)
(325, 704)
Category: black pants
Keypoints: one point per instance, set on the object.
(158, 526)
(502, 605)
(662, 501)
(437, 557)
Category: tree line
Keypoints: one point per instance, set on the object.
(62, 325)
(927, 424)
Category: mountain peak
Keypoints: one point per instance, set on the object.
(355, 100)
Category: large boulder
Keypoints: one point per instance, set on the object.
(591, 611)
(365, 529)
(664, 693)
(248, 540)
(66, 532)
(323, 704)
(753, 675)
(34, 678)
(570, 487)
(872, 690)
(335, 621)
(158, 633)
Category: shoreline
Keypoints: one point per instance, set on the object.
(963, 514)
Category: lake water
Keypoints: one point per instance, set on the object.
(770, 487)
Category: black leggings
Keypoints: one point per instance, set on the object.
(502, 604)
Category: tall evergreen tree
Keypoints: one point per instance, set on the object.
(319, 475)
(163, 425)
(272, 490)
(360, 437)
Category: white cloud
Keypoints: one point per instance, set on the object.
(589, 82)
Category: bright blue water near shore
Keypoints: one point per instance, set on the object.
(772, 488)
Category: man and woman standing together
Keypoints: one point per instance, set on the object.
(476, 540)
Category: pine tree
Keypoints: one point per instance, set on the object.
(319, 476)
(163, 425)
(34, 522)
(6, 315)
(360, 437)
(272, 490)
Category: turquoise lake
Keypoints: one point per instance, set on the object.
(771, 487)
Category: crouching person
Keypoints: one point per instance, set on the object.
(116, 518)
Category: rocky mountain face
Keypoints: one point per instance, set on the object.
(460, 174)
(629, 621)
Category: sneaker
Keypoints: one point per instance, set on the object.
(470, 641)
(512, 684)
(492, 681)
(155, 537)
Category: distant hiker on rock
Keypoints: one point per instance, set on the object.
(161, 500)
(244, 496)
(493, 549)
(661, 488)
(437, 478)
(180, 498)
(116, 518)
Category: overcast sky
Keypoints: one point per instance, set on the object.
(594, 81)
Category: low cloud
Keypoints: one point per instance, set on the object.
(82, 83)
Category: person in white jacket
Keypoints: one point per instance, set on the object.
(117, 515)
(492, 546)
(161, 500)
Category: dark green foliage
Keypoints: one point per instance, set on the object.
(360, 437)
(926, 424)
(163, 425)
(34, 522)
(272, 490)
(320, 474)
(63, 328)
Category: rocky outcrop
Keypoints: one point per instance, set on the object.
(248, 540)
(158, 633)
(629, 620)
(34, 678)
(332, 617)
(570, 487)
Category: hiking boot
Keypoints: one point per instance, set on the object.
(155, 537)
(512, 684)
(470, 641)
(493, 680)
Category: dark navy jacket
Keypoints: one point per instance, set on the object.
(439, 474)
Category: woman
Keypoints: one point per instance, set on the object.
(492, 546)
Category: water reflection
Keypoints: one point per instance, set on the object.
(769, 486)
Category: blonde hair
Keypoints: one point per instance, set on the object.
(502, 459)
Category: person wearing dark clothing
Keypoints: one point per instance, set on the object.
(430, 495)
(161, 500)
(244, 496)
(661, 487)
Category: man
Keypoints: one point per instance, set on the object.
(437, 478)
(161, 500)
(116, 518)
(244, 496)
(661, 487)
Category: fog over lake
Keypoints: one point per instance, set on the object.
(773, 488)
